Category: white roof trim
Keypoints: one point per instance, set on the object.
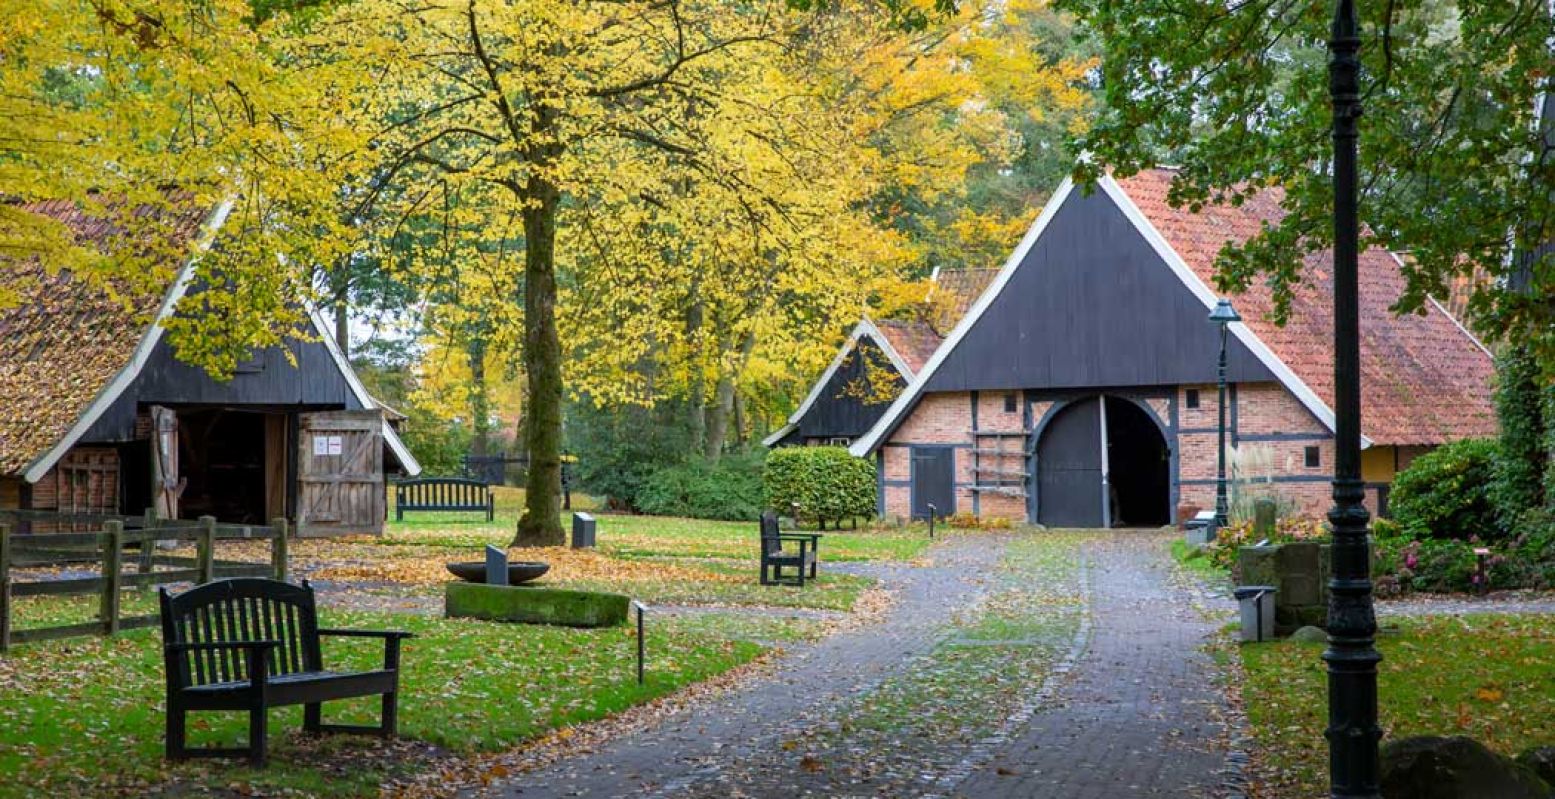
(390, 437)
(148, 342)
(1189, 278)
(1304, 393)
(865, 327)
(778, 434)
(905, 400)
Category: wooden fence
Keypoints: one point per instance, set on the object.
(105, 548)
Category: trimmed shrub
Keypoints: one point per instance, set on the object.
(1446, 493)
(730, 489)
(827, 483)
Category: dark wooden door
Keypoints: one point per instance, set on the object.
(1069, 487)
(933, 481)
(340, 473)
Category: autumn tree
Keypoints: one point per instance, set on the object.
(1453, 170)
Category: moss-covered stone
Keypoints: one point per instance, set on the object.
(534, 605)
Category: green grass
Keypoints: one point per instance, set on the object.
(1197, 561)
(84, 716)
(633, 536)
(1488, 677)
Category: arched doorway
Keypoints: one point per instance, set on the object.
(1102, 461)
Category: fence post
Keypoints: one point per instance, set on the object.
(148, 545)
(113, 557)
(5, 586)
(278, 548)
(206, 549)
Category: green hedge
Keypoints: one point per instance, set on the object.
(729, 489)
(1446, 493)
(827, 483)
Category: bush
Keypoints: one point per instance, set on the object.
(620, 448)
(1446, 493)
(827, 483)
(1234, 536)
(729, 489)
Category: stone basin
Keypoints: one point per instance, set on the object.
(474, 571)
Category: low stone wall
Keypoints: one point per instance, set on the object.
(1300, 571)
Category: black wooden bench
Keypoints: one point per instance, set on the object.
(252, 644)
(775, 558)
(443, 493)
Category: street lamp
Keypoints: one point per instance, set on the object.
(1353, 733)
(1223, 315)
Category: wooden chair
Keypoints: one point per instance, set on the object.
(250, 644)
(775, 558)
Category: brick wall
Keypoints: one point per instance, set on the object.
(1269, 433)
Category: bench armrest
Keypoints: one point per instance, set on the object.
(342, 633)
(391, 642)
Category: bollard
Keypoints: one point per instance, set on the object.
(933, 512)
(641, 650)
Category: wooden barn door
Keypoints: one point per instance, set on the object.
(1070, 486)
(167, 486)
(340, 473)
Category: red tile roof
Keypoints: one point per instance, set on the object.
(914, 341)
(1424, 379)
(65, 339)
(954, 292)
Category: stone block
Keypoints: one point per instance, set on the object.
(1432, 767)
(534, 605)
(1257, 566)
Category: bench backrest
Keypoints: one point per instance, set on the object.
(769, 532)
(442, 492)
(239, 609)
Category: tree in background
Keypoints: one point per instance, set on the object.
(1453, 172)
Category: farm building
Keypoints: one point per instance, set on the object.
(98, 416)
(1080, 389)
(875, 363)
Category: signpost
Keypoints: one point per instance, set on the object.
(496, 566)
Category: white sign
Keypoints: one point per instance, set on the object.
(327, 445)
(335, 444)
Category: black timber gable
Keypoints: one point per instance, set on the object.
(853, 398)
(1091, 304)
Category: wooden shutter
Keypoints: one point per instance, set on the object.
(340, 487)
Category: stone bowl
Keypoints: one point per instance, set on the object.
(474, 571)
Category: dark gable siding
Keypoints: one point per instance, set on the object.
(1091, 305)
(268, 379)
(836, 414)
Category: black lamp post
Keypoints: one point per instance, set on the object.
(1223, 315)
(1353, 734)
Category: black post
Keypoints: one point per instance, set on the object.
(641, 648)
(933, 511)
(1352, 657)
(1222, 504)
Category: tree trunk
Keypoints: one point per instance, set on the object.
(740, 441)
(696, 411)
(480, 399)
(718, 418)
(342, 323)
(541, 523)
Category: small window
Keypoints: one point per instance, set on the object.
(838, 441)
(1314, 457)
(1193, 398)
(1009, 403)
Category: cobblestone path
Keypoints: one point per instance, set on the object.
(1138, 713)
(693, 753)
(1141, 715)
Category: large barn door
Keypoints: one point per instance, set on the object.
(167, 485)
(340, 473)
(1070, 491)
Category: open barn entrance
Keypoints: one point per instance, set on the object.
(1102, 461)
(1139, 483)
(231, 464)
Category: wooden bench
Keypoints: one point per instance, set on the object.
(443, 494)
(775, 558)
(250, 644)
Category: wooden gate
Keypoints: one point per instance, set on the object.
(340, 473)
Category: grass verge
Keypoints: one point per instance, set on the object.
(1488, 677)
